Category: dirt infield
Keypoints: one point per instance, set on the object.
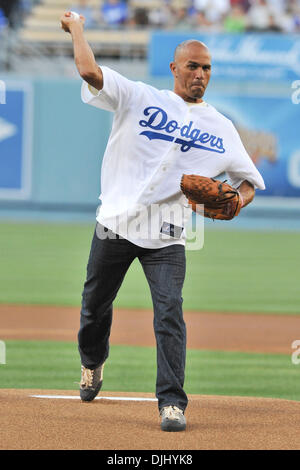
(215, 331)
(214, 422)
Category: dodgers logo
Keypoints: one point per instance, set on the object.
(158, 121)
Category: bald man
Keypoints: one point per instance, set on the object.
(191, 69)
(156, 136)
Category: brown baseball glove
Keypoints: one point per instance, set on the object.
(219, 199)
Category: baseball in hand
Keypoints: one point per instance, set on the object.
(75, 15)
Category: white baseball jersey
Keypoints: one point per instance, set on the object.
(156, 137)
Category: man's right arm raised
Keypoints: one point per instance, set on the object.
(84, 57)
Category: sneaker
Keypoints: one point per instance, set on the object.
(172, 419)
(91, 382)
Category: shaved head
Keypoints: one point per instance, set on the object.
(182, 47)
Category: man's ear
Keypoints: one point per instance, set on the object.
(173, 68)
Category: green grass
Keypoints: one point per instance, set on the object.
(56, 365)
(235, 271)
(43, 264)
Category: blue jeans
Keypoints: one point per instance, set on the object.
(164, 269)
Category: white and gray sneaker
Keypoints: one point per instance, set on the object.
(91, 382)
(172, 419)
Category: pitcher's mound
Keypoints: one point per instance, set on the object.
(213, 422)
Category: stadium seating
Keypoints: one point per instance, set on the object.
(42, 27)
(47, 14)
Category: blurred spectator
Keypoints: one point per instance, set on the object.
(245, 4)
(259, 15)
(114, 13)
(201, 23)
(296, 17)
(3, 19)
(290, 19)
(181, 19)
(139, 17)
(273, 25)
(10, 8)
(236, 21)
(296, 23)
(84, 8)
(214, 10)
(277, 6)
(27, 5)
(162, 16)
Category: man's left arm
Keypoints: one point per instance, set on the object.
(247, 192)
(241, 170)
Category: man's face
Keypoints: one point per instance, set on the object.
(191, 70)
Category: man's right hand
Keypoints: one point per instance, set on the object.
(67, 21)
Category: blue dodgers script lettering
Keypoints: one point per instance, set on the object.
(158, 121)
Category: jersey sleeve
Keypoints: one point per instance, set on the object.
(116, 93)
(241, 167)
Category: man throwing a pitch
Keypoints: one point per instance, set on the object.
(157, 137)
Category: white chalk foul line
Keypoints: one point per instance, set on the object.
(72, 397)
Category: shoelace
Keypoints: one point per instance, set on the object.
(86, 377)
(171, 412)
